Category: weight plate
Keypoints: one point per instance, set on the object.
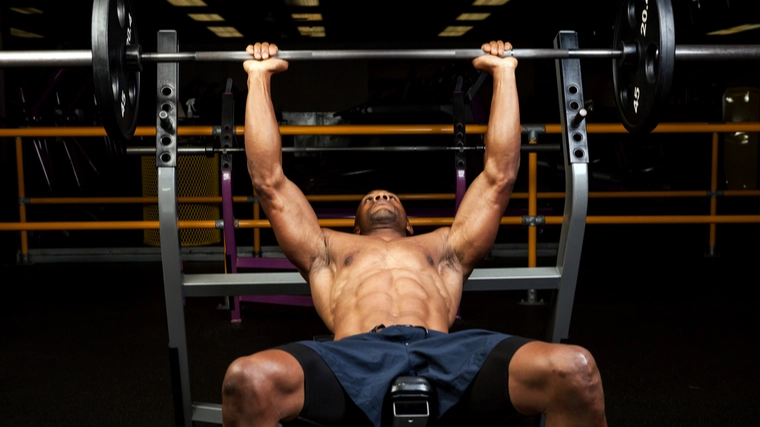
(116, 79)
(642, 81)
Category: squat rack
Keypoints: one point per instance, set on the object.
(178, 285)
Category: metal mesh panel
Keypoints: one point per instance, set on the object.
(196, 176)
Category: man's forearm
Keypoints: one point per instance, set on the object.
(263, 144)
(503, 136)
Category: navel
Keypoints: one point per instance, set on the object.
(430, 260)
(348, 260)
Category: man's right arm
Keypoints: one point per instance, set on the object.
(477, 220)
(293, 220)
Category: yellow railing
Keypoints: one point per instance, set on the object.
(421, 129)
(257, 223)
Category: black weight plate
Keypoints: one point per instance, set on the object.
(116, 82)
(642, 83)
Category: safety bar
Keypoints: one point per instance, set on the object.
(291, 283)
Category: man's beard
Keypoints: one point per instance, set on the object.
(383, 216)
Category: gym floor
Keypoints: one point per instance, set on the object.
(675, 333)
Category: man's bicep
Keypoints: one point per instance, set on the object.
(477, 222)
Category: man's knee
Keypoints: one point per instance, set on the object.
(262, 376)
(575, 376)
(543, 375)
(574, 366)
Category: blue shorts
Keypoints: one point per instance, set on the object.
(366, 364)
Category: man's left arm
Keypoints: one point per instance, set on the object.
(476, 223)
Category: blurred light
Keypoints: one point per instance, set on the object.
(15, 32)
(184, 3)
(312, 31)
(26, 10)
(307, 16)
(734, 30)
(205, 17)
(490, 2)
(302, 3)
(225, 32)
(454, 31)
(472, 16)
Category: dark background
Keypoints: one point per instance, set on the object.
(675, 331)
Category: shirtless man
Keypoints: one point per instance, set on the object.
(390, 297)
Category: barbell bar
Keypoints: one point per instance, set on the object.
(197, 150)
(643, 55)
(83, 58)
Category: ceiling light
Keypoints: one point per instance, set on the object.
(303, 3)
(489, 2)
(734, 30)
(15, 32)
(225, 31)
(26, 10)
(472, 16)
(454, 31)
(205, 17)
(312, 31)
(307, 16)
(184, 3)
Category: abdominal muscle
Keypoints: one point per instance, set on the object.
(359, 302)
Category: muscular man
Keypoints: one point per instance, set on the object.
(390, 296)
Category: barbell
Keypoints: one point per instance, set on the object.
(642, 61)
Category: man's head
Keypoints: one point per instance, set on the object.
(381, 209)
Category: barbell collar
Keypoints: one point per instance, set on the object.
(133, 57)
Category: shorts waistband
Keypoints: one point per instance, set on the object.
(381, 326)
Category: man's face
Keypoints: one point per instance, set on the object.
(381, 209)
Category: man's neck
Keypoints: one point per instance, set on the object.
(386, 234)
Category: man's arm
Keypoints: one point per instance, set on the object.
(292, 217)
(476, 223)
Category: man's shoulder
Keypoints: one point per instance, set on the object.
(329, 233)
(442, 232)
(338, 239)
(437, 238)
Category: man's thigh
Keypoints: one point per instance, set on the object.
(326, 403)
(487, 401)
